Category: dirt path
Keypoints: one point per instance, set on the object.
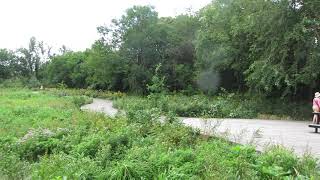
(295, 135)
(101, 105)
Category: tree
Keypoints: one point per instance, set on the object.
(142, 40)
(224, 40)
(139, 42)
(31, 58)
(7, 64)
(68, 69)
(179, 56)
(268, 46)
(106, 69)
(285, 51)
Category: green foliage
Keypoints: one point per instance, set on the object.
(81, 100)
(277, 162)
(265, 46)
(12, 167)
(7, 60)
(61, 166)
(262, 47)
(12, 83)
(105, 68)
(268, 46)
(63, 91)
(67, 69)
(35, 144)
(29, 60)
(89, 145)
(157, 82)
(33, 83)
(169, 42)
(123, 58)
(224, 105)
(79, 145)
(195, 106)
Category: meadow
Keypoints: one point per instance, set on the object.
(44, 135)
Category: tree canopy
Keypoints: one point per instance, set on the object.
(265, 46)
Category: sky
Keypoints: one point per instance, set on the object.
(71, 22)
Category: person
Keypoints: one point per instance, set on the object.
(316, 107)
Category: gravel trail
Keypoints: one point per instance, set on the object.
(295, 135)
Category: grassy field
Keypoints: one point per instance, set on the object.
(44, 135)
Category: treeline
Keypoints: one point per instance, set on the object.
(264, 46)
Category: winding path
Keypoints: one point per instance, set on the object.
(102, 106)
(295, 135)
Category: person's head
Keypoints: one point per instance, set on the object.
(317, 95)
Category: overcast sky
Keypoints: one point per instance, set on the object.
(71, 22)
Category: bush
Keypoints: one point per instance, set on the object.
(12, 83)
(85, 92)
(242, 160)
(37, 143)
(63, 166)
(277, 162)
(175, 135)
(81, 100)
(147, 116)
(33, 83)
(179, 164)
(225, 105)
(12, 167)
(89, 145)
(80, 145)
(129, 169)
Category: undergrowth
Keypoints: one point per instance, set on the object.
(224, 105)
(45, 136)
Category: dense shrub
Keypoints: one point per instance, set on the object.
(81, 100)
(225, 105)
(79, 145)
(12, 83)
(12, 167)
(61, 166)
(85, 92)
(36, 144)
(33, 83)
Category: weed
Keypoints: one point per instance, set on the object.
(46, 136)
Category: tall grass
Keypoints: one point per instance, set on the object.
(225, 105)
(46, 136)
